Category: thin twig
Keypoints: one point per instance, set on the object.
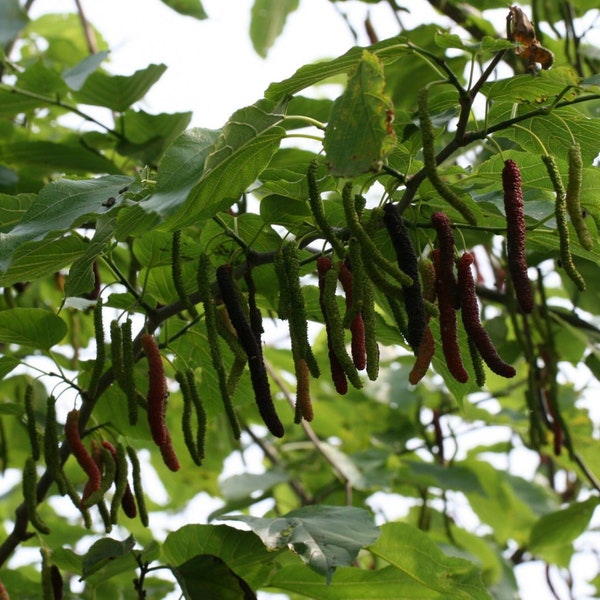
(270, 452)
(88, 31)
(310, 433)
(58, 102)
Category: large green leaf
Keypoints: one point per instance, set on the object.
(180, 169)
(553, 534)
(557, 138)
(241, 486)
(267, 21)
(33, 327)
(12, 102)
(58, 207)
(242, 150)
(33, 260)
(190, 8)
(66, 157)
(325, 537)
(12, 209)
(359, 134)
(242, 551)
(7, 364)
(76, 76)
(524, 88)
(81, 276)
(41, 79)
(104, 551)
(118, 92)
(353, 584)
(12, 20)
(413, 552)
(312, 74)
(109, 557)
(148, 135)
(206, 576)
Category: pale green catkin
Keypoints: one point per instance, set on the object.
(560, 213)
(368, 247)
(573, 198)
(430, 165)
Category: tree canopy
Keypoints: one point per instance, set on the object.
(389, 293)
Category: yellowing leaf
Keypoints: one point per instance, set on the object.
(360, 133)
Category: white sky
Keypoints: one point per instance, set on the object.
(212, 67)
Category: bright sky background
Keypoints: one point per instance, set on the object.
(213, 70)
(212, 67)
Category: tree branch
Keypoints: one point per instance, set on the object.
(88, 31)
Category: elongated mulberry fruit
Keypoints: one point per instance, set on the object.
(157, 390)
(84, 458)
(472, 323)
(573, 199)
(407, 261)
(357, 325)
(424, 356)
(338, 357)
(448, 326)
(258, 372)
(445, 240)
(515, 234)
(560, 212)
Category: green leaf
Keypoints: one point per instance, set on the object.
(190, 8)
(283, 210)
(103, 551)
(7, 364)
(268, 18)
(33, 327)
(148, 135)
(58, 207)
(242, 551)
(180, 169)
(12, 20)
(359, 133)
(413, 552)
(13, 103)
(108, 558)
(12, 209)
(306, 76)
(524, 88)
(353, 584)
(325, 537)
(33, 260)
(238, 487)
(553, 534)
(81, 276)
(76, 76)
(447, 40)
(207, 576)
(118, 92)
(69, 156)
(242, 150)
(557, 139)
(41, 79)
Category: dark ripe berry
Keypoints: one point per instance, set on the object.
(258, 372)
(515, 234)
(445, 239)
(448, 326)
(407, 261)
(357, 325)
(472, 323)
